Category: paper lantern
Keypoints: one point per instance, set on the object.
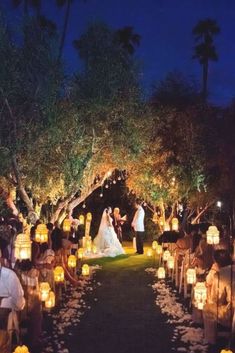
(94, 249)
(44, 290)
(72, 261)
(159, 250)
(161, 221)
(200, 294)
(21, 349)
(170, 262)
(161, 273)
(80, 253)
(67, 225)
(81, 219)
(59, 274)
(41, 235)
(175, 224)
(166, 255)
(85, 270)
(212, 235)
(50, 302)
(191, 276)
(167, 227)
(154, 245)
(149, 253)
(89, 216)
(23, 247)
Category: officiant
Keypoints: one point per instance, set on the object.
(117, 223)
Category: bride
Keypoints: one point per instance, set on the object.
(106, 240)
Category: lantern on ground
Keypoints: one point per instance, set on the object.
(41, 235)
(50, 302)
(161, 273)
(167, 227)
(154, 245)
(159, 250)
(212, 235)
(175, 224)
(67, 225)
(200, 294)
(44, 290)
(21, 349)
(226, 351)
(94, 249)
(89, 216)
(23, 247)
(149, 253)
(88, 224)
(72, 261)
(59, 274)
(170, 262)
(81, 219)
(161, 221)
(88, 245)
(166, 255)
(80, 253)
(85, 270)
(191, 276)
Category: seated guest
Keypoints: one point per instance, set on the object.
(29, 279)
(11, 300)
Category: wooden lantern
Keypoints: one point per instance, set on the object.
(161, 273)
(166, 255)
(21, 349)
(85, 270)
(59, 274)
(191, 276)
(170, 262)
(167, 227)
(67, 225)
(44, 290)
(200, 294)
(81, 219)
(41, 235)
(80, 253)
(23, 249)
(50, 302)
(72, 261)
(149, 253)
(94, 249)
(212, 235)
(175, 224)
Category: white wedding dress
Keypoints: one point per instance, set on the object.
(106, 240)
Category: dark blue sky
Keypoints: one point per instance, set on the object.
(165, 27)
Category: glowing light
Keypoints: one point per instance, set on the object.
(161, 273)
(41, 235)
(59, 274)
(154, 245)
(72, 261)
(200, 295)
(50, 302)
(23, 247)
(212, 235)
(166, 255)
(175, 224)
(67, 225)
(170, 262)
(85, 270)
(149, 253)
(44, 290)
(191, 276)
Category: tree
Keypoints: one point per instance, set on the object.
(128, 39)
(205, 50)
(67, 4)
(36, 4)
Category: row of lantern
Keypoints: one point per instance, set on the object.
(166, 225)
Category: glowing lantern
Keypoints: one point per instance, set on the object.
(226, 351)
(200, 294)
(81, 219)
(155, 217)
(94, 249)
(159, 250)
(23, 247)
(44, 290)
(67, 225)
(80, 253)
(89, 216)
(175, 224)
(50, 302)
(21, 349)
(59, 274)
(72, 261)
(212, 235)
(191, 276)
(149, 252)
(85, 270)
(167, 227)
(41, 235)
(161, 221)
(154, 245)
(161, 273)
(166, 255)
(170, 262)
(88, 224)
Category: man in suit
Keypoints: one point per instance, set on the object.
(138, 225)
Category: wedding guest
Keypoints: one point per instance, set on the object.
(45, 264)
(117, 223)
(138, 225)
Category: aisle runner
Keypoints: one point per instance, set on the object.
(185, 334)
(71, 309)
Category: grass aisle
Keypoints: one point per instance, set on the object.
(123, 316)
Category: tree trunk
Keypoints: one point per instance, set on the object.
(65, 27)
(205, 79)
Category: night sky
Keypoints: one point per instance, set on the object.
(166, 30)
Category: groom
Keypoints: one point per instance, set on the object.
(138, 225)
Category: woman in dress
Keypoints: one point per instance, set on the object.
(106, 240)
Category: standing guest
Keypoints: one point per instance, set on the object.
(45, 264)
(138, 225)
(117, 223)
(11, 300)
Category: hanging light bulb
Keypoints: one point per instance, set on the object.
(106, 186)
(114, 182)
(84, 205)
(101, 195)
(119, 178)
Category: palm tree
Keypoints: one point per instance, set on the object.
(205, 50)
(62, 3)
(36, 4)
(127, 39)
